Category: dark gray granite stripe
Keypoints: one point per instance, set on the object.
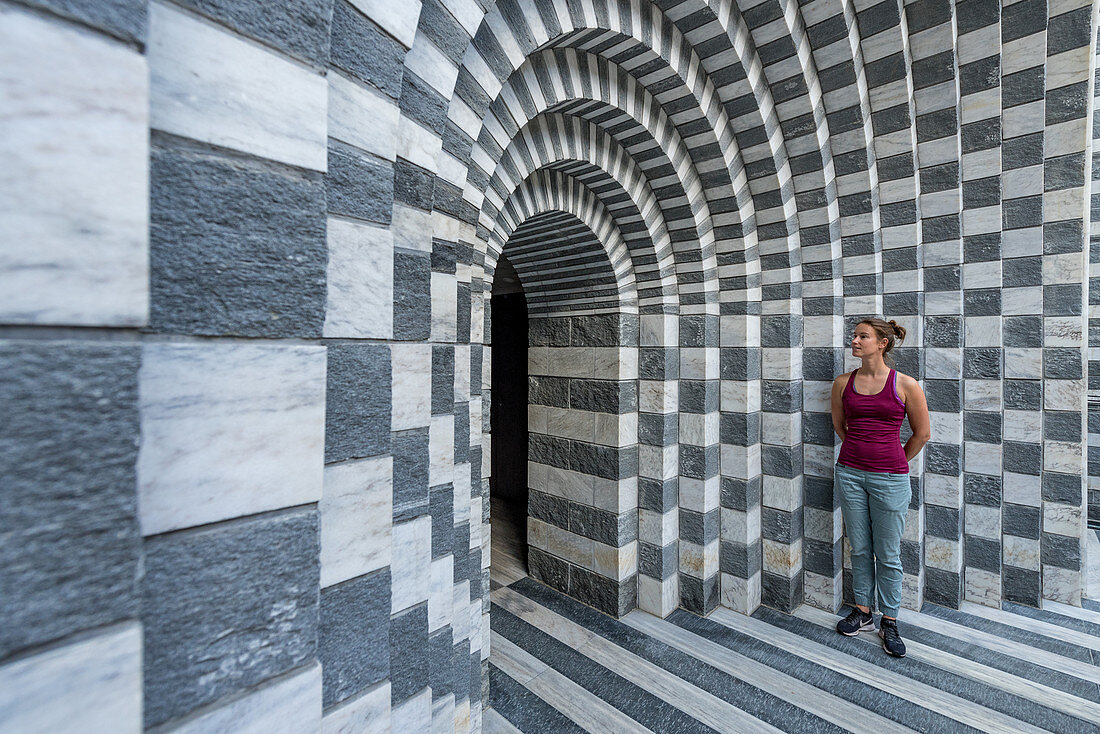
(1092, 604)
(764, 706)
(980, 693)
(1004, 662)
(634, 701)
(1045, 615)
(1024, 637)
(524, 709)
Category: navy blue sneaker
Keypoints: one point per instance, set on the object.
(891, 640)
(855, 623)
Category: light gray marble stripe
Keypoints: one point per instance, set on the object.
(586, 709)
(697, 703)
(494, 723)
(990, 641)
(1015, 685)
(1037, 626)
(1068, 610)
(810, 698)
(944, 703)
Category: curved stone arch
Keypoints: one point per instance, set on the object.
(796, 92)
(553, 139)
(659, 40)
(630, 100)
(894, 133)
(547, 191)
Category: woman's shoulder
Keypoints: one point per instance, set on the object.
(841, 380)
(904, 381)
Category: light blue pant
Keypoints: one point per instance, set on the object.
(874, 506)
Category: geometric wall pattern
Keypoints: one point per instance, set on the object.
(247, 252)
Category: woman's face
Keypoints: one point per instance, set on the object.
(865, 342)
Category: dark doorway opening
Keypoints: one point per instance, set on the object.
(508, 423)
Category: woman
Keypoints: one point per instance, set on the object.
(871, 477)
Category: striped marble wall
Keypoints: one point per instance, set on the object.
(244, 322)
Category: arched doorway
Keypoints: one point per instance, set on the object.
(508, 418)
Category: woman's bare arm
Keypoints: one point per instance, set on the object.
(916, 409)
(839, 424)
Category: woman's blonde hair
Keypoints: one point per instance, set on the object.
(891, 331)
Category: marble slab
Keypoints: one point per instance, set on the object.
(368, 713)
(211, 85)
(356, 512)
(289, 705)
(397, 19)
(362, 117)
(412, 386)
(411, 570)
(228, 430)
(360, 281)
(74, 181)
(93, 685)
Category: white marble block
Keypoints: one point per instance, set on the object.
(369, 713)
(228, 430)
(74, 178)
(360, 281)
(209, 84)
(356, 511)
(289, 705)
(93, 685)
(411, 571)
(411, 386)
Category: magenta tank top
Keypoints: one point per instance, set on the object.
(873, 441)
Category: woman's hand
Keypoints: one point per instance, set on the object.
(916, 409)
(839, 424)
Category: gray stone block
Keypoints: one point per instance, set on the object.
(1023, 458)
(781, 461)
(657, 496)
(227, 607)
(548, 569)
(739, 363)
(982, 427)
(71, 546)
(982, 553)
(942, 587)
(357, 401)
(359, 186)
(299, 28)
(820, 557)
(656, 429)
(817, 492)
(441, 673)
(700, 596)
(408, 653)
(362, 49)
(739, 559)
(443, 379)
(1062, 363)
(982, 489)
(658, 563)
(1061, 551)
(1061, 426)
(548, 508)
(780, 525)
(443, 519)
(1062, 488)
(410, 474)
(1022, 586)
(1023, 394)
(781, 396)
(124, 19)
(354, 640)
(982, 362)
(412, 295)
(942, 522)
(237, 246)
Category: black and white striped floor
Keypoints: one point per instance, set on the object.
(557, 665)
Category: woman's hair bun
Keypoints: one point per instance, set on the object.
(899, 330)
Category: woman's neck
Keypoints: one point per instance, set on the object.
(874, 366)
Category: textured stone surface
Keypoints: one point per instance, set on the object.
(297, 27)
(70, 550)
(237, 247)
(228, 430)
(227, 607)
(125, 19)
(74, 181)
(93, 684)
(357, 416)
(354, 635)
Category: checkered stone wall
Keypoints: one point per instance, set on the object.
(244, 327)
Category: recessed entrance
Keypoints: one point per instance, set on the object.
(508, 418)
